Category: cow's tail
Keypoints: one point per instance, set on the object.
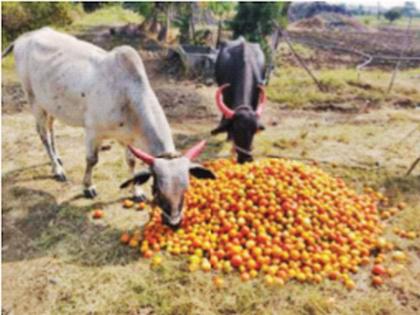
(8, 50)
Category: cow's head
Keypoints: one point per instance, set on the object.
(170, 180)
(241, 124)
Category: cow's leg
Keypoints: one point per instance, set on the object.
(138, 194)
(92, 148)
(52, 137)
(41, 118)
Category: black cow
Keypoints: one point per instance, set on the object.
(240, 96)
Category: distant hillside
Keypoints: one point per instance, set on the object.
(304, 10)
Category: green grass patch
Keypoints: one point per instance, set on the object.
(8, 69)
(113, 14)
(293, 87)
(372, 20)
(302, 50)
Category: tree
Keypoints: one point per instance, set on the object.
(220, 10)
(360, 10)
(409, 8)
(143, 8)
(255, 21)
(392, 14)
(157, 16)
(166, 9)
(185, 21)
(21, 17)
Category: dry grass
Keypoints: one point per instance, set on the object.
(75, 265)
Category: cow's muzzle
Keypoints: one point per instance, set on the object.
(173, 222)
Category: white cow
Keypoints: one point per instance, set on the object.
(109, 95)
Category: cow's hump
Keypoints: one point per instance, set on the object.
(129, 60)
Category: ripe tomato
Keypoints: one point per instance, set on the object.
(236, 261)
(97, 214)
(379, 270)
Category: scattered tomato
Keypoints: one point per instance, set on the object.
(205, 265)
(377, 281)
(141, 206)
(379, 270)
(127, 203)
(218, 282)
(350, 284)
(97, 214)
(411, 235)
(156, 261)
(148, 253)
(133, 242)
(269, 280)
(125, 238)
(399, 256)
(245, 276)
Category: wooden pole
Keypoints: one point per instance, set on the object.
(397, 65)
(302, 63)
(412, 167)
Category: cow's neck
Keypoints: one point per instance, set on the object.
(244, 88)
(153, 123)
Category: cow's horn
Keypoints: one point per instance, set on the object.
(192, 153)
(262, 101)
(226, 111)
(146, 158)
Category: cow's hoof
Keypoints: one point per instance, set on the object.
(139, 198)
(60, 177)
(90, 192)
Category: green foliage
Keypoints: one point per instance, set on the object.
(143, 8)
(255, 21)
(366, 21)
(409, 8)
(392, 14)
(183, 24)
(220, 9)
(184, 21)
(20, 17)
(106, 15)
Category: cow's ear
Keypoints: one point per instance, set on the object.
(138, 179)
(201, 172)
(223, 127)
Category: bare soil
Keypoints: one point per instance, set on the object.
(344, 47)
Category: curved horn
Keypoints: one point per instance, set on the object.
(146, 158)
(262, 101)
(226, 111)
(192, 153)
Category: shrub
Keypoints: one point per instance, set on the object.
(25, 16)
(92, 6)
(392, 14)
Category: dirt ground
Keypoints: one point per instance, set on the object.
(57, 260)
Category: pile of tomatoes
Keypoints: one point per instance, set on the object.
(278, 218)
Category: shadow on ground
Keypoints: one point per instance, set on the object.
(35, 225)
(407, 185)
